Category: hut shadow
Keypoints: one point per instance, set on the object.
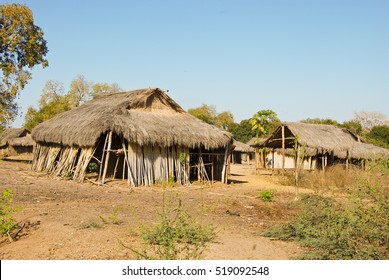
(28, 161)
(233, 181)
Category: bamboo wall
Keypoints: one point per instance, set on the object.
(140, 165)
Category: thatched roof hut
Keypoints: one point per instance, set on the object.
(241, 152)
(242, 147)
(321, 139)
(11, 134)
(138, 119)
(16, 139)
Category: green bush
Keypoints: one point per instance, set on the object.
(7, 221)
(267, 195)
(177, 237)
(356, 228)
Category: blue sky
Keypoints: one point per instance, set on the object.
(302, 59)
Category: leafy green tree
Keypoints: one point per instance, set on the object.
(80, 91)
(224, 120)
(52, 91)
(22, 46)
(52, 102)
(243, 131)
(379, 135)
(99, 88)
(206, 113)
(264, 122)
(354, 126)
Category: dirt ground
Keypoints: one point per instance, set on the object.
(67, 220)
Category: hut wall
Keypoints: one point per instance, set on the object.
(153, 164)
(308, 164)
(140, 165)
(207, 163)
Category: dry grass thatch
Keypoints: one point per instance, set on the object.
(15, 137)
(319, 138)
(145, 116)
(242, 147)
(25, 141)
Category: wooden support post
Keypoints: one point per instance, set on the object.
(283, 148)
(272, 161)
(130, 176)
(116, 166)
(107, 157)
(225, 165)
(102, 157)
(212, 176)
(188, 165)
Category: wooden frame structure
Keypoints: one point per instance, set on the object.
(146, 138)
(312, 147)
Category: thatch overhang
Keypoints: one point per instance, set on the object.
(242, 147)
(11, 137)
(145, 116)
(25, 141)
(321, 139)
(256, 142)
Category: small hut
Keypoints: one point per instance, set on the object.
(16, 140)
(316, 145)
(143, 136)
(242, 153)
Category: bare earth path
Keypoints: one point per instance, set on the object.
(60, 216)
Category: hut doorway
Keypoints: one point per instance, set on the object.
(207, 165)
(108, 159)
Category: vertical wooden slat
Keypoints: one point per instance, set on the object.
(108, 151)
(283, 147)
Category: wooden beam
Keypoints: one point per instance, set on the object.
(283, 148)
(107, 157)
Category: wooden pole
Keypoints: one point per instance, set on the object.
(283, 148)
(116, 166)
(102, 157)
(224, 170)
(188, 165)
(212, 176)
(130, 176)
(107, 157)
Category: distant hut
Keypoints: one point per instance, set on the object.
(242, 152)
(143, 136)
(318, 145)
(16, 140)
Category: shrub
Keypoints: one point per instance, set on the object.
(177, 237)
(353, 229)
(7, 221)
(93, 167)
(267, 195)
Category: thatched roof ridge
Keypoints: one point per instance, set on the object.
(320, 138)
(145, 116)
(12, 133)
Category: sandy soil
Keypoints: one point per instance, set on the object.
(59, 216)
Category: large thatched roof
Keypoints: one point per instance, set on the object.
(10, 136)
(145, 116)
(318, 138)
